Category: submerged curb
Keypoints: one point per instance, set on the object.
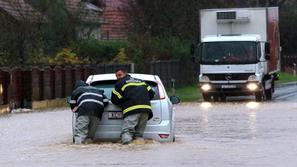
(286, 84)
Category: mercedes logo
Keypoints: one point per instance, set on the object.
(228, 77)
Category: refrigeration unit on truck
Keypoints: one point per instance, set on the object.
(239, 52)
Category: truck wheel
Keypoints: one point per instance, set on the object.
(215, 98)
(223, 98)
(206, 97)
(259, 96)
(268, 94)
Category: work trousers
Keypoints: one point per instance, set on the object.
(133, 127)
(85, 127)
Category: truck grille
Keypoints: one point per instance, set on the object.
(229, 76)
(226, 15)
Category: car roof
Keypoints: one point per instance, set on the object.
(111, 76)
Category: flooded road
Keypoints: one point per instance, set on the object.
(232, 134)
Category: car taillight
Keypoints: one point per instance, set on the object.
(161, 92)
(164, 136)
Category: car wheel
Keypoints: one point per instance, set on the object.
(74, 115)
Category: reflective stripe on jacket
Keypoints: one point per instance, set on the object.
(133, 95)
(89, 99)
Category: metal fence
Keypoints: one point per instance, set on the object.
(289, 63)
(175, 72)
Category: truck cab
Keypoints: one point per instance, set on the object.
(238, 53)
(232, 65)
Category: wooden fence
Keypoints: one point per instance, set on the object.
(20, 87)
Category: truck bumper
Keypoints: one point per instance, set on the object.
(231, 89)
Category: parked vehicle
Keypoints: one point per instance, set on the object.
(159, 128)
(239, 52)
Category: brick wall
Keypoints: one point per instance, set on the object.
(114, 21)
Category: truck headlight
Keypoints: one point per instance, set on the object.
(252, 78)
(205, 87)
(204, 78)
(252, 86)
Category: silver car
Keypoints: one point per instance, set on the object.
(159, 128)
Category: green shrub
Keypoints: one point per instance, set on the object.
(99, 51)
(121, 57)
(170, 47)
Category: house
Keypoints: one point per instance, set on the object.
(113, 27)
(110, 20)
(88, 14)
(20, 10)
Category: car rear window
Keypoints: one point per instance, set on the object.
(108, 86)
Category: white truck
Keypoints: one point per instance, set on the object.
(239, 53)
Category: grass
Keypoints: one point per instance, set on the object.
(187, 94)
(286, 77)
(191, 93)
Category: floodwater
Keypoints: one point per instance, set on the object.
(232, 134)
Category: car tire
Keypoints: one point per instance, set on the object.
(73, 124)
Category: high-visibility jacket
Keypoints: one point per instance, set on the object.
(88, 99)
(133, 96)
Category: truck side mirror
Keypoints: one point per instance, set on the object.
(267, 50)
(192, 50)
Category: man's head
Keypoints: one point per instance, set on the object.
(120, 73)
(79, 83)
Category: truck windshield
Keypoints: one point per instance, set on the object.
(231, 52)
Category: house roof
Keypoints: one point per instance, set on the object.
(84, 10)
(113, 4)
(20, 10)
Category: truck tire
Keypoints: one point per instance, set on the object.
(215, 98)
(206, 97)
(223, 98)
(268, 94)
(259, 96)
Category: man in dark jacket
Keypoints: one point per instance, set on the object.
(88, 104)
(133, 96)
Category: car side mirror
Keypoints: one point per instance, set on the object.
(174, 99)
